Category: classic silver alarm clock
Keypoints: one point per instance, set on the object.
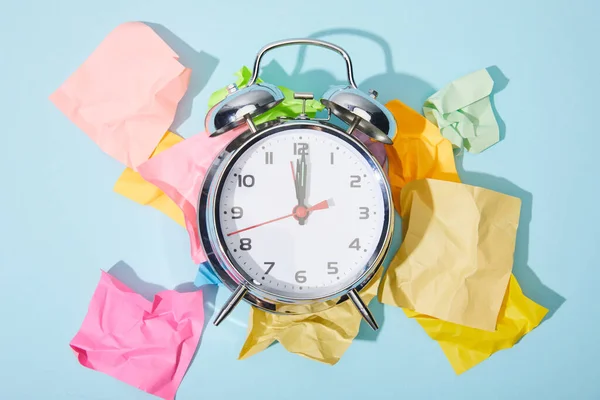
(295, 215)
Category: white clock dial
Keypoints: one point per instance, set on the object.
(309, 247)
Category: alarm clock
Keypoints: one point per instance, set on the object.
(295, 215)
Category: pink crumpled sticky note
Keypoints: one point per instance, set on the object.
(179, 172)
(145, 344)
(125, 95)
(376, 148)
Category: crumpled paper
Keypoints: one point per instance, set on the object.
(457, 255)
(463, 111)
(145, 344)
(466, 347)
(323, 336)
(418, 151)
(179, 172)
(131, 185)
(376, 148)
(206, 276)
(463, 346)
(125, 95)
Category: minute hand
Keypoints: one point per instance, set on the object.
(301, 178)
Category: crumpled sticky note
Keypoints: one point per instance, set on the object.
(125, 95)
(289, 107)
(518, 315)
(323, 336)
(418, 151)
(145, 344)
(376, 148)
(457, 254)
(466, 347)
(463, 111)
(206, 276)
(131, 185)
(179, 172)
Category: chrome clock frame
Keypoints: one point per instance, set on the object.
(234, 277)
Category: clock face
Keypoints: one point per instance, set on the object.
(301, 213)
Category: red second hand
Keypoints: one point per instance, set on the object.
(264, 223)
(319, 206)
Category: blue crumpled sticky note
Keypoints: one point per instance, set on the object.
(206, 276)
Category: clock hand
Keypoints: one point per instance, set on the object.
(301, 179)
(320, 206)
(261, 224)
(295, 181)
(299, 212)
(293, 173)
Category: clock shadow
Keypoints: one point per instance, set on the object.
(531, 285)
(190, 58)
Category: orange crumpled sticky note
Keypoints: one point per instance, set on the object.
(131, 185)
(125, 95)
(463, 346)
(419, 151)
(457, 254)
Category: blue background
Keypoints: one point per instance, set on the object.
(60, 221)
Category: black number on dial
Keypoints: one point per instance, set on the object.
(246, 180)
(332, 268)
(354, 244)
(238, 212)
(355, 181)
(300, 277)
(271, 264)
(245, 244)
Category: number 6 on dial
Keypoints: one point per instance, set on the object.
(300, 277)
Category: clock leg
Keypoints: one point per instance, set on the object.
(230, 304)
(363, 309)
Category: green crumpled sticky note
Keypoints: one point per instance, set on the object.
(289, 107)
(464, 114)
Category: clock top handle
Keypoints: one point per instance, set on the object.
(313, 42)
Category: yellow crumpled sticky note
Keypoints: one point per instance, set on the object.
(131, 185)
(419, 151)
(323, 336)
(463, 346)
(466, 347)
(457, 254)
